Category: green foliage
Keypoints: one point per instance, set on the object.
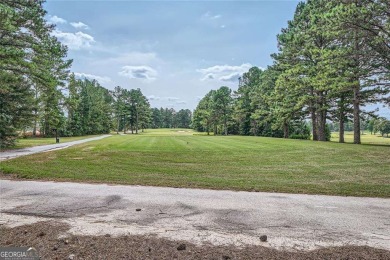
(382, 125)
(333, 58)
(183, 118)
(32, 66)
(253, 109)
(169, 118)
(244, 106)
(203, 119)
(300, 130)
(328, 133)
(215, 111)
(222, 107)
(89, 108)
(131, 109)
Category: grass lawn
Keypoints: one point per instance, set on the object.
(177, 158)
(367, 138)
(31, 141)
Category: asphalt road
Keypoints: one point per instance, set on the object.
(290, 221)
(10, 154)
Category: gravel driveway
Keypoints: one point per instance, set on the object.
(290, 221)
(10, 154)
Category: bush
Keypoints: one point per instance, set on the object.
(300, 136)
(328, 133)
(300, 130)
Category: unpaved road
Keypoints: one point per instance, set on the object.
(10, 154)
(220, 217)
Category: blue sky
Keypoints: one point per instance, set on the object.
(174, 51)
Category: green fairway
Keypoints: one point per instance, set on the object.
(178, 158)
(37, 141)
(367, 138)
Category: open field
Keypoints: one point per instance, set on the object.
(31, 141)
(177, 158)
(367, 138)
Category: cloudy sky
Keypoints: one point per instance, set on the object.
(174, 51)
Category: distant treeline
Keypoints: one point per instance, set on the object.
(333, 59)
(169, 118)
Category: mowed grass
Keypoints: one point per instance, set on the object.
(366, 138)
(177, 158)
(37, 141)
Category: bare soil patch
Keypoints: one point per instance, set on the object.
(53, 242)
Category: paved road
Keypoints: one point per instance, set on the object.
(220, 217)
(6, 155)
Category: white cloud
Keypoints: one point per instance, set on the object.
(224, 72)
(100, 79)
(181, 102)
(208, 76)
(172, 99)
(144, 73)
(75, 41)
(223, 26)
(56, 20)
(210, 16)
(226, 68)
(80, 25)
(153, 97)
(231, 77)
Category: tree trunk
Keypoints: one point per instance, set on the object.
(356, 114)
(285, 130)
(313, 118)
(35, 125)
(117, 130)
(136, 123)
(35, 113)
(341, 130)
(341, 122)
(124, 124)
(321, 126)
(225, 127)
(356, 91)
(254, 127)
(314, 125)
(321, 119)
(47, 126)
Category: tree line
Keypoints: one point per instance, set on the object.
(33, 69)
(132, 112)
(169, 118)
(333, 59)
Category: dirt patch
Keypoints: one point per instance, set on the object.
(9, 176)
(53, 242)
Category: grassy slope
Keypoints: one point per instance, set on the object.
(180, 159)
